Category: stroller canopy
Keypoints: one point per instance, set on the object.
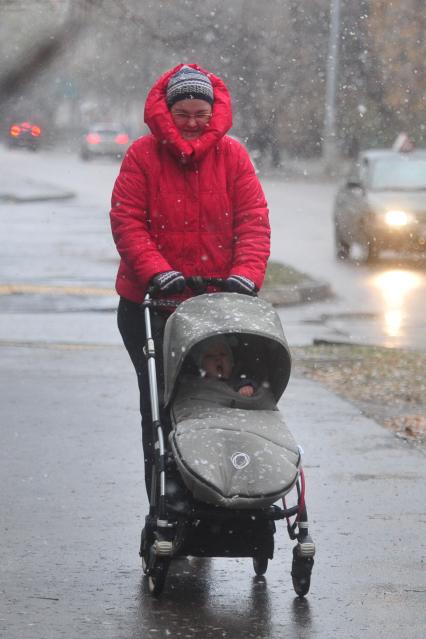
(204, 316)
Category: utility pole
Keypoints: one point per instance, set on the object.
(329, 148)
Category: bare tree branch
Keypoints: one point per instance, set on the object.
(43, 53)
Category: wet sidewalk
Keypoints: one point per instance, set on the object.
(73, 501)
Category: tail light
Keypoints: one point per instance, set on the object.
(122, 138)
(15, 130)
(35, 131)
(93, 138)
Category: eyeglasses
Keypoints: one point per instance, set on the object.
(201, 117)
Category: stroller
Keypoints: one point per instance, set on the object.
(224, 461)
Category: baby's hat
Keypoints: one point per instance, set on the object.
(211, 344)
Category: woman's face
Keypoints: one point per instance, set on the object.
(191, 117)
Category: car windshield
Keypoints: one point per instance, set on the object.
(400, 173)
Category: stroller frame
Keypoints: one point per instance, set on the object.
(168, 534)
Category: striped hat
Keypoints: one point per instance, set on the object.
(188, 83)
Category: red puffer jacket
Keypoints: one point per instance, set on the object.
(195, 206)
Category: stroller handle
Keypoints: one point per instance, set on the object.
(197, 283)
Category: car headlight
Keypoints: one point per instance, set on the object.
(398, 218)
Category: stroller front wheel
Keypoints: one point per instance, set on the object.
(260, 564)
(157, 577)
(301, 570)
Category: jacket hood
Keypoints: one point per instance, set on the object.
(158, 118)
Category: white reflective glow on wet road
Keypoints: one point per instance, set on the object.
(396, 288)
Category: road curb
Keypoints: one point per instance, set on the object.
(20, 189)
(293, 295)
(84, 296)
(12, 198)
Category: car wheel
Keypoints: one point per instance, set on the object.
(371, 250)
(341, 248)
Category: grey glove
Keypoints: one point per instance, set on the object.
(240, 284)
(168, 282)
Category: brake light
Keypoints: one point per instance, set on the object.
(15, 130)
(93, 138)
(35, 131)
(122, 138)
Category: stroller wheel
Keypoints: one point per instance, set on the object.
(157, 577)
(144, 565)
(301, 570)
(260, 564)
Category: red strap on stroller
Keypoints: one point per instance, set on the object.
(291, 527)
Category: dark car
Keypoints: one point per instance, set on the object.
(110, 140)
(382, 204)
(25, 134)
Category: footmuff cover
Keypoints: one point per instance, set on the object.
(236, 458)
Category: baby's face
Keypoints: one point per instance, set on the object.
(216, 362)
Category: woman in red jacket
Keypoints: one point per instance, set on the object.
(187, 202)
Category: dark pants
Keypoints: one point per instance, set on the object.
(131, 324)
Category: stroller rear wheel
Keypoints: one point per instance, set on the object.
(144, 550)
(157, 577)
(260, 564)
(144, 564)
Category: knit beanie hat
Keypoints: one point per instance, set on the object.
(188, 83)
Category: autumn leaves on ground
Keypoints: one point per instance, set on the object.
(388, 385)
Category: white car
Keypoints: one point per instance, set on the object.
(110, 140)
(382, 204)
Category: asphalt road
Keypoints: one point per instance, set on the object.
(72, 498)
(68, 243)
(383, 303)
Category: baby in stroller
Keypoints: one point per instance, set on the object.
(216, 361)
(230, 450)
